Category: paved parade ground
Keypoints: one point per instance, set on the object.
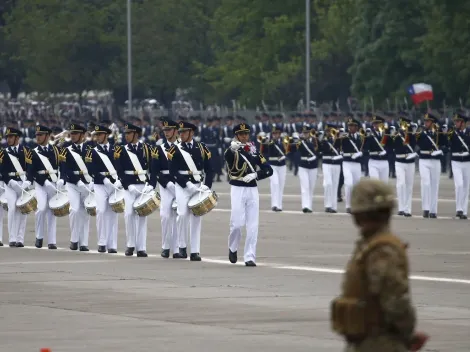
(71, 301)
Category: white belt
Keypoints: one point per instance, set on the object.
(426, 152)
(401, 156)
(274, 158)
(461, 154)
(307, 157)
(348, 154)
(327, 157)
(190, 173)
(140, 172)
(79, 173)
(108, 173)
(46, 172)
(165, 172)
(374, 153)
(16, 173)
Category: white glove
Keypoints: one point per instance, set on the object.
(90, 186)
(117, 184)
(338, 157)
(411, 156)
(295, 135)
(356, 155)
(312, 158)
(25, 184)
(191, 187)
(50, 186)
(220, 151)
(106, 181)
(235, 145)
(133, 190)
(13, 184)
(203, 188)
(60, 184)
(250, 177)
(227, 139)
(436, 153)
(170, 186)
(82, 186)
(383, 152)
(282, 158)
(147, 189)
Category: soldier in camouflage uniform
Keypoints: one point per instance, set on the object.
(375, 312)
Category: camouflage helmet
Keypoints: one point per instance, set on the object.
(370, 195)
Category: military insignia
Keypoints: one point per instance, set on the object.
(38, 128)
(8, 131)
(350, 121)
(97, 128)
(181, 125)
(171, 152)
(374, 118)
(154, 153)
(72, 127)
(262, 159)
(165, 123)
(126, 126)
(243, 127)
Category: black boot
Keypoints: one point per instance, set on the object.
(232, 256)
(38, 243)
(129, 251)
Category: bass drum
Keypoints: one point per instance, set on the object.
(4, 202)
(147, 203)
(60, 205)
(27, 203)
(202, 203)
(90, 204)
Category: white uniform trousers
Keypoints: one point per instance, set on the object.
(106, 218)
(168, 219)
(379, 169)
(430, 172)
(461, 171)
(405, 180)
(16, 220)
(277, 183)
(45, 221)
(245, 212)
(136, 226)
(331, 174)
(186, 222)
(2, 190)
(352, 174)
(79, 218)
(308, 179)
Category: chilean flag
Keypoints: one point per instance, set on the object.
(420, 92)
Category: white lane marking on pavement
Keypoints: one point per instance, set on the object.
(270, 265)
(57, 262)
(444, 200)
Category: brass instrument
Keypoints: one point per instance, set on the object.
(59, 139)
(262, 139)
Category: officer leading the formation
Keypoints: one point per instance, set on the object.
(242, 163)
(374, 311)
(44, 173)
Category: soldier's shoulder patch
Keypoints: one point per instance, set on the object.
(117, 152)
(88, 157)
(206, 151)
(154, 152)
(28, 156)
(262, 159)
(171, 152)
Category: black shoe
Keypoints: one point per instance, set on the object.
(129, 251)
(274, 209)
(112, 251)
(340, 199)
(183, 253)
(328, 210)
(277, 210)
(250, 263)
(142, 254)
(401, 213)
(305, 210)
(348, 210)
(165, 253)
(463, 217)
(433, 216)
(408, 215)
(195, 257)
(19, 245)
(232, 256)
(84, 249)
(101, 249)
(178, 256)
(459, 214)
(1, 244)
(12, 244)
(426, 214)
(38, 243)
(51, 246)
(332, 211)
(73, 246)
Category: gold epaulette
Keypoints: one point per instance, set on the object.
(117, 152)
(154, 152)
(171, 152)
(88, 158)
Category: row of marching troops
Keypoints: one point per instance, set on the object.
(79, 179)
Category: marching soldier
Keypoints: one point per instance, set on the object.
(308, 167)
(404, 143)
(106, 182)
(351, 148)
(44, 173)
(79, 184)
(332, 159)
(161, 171)
(275, 151)
(374, 311)
(133, 166)
(430, 145)
(459, 141)
(377, 145)
(242, 166)
(189, 162)
(14, 160)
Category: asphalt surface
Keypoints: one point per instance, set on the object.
(71, 301)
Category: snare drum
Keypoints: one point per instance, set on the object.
(202, 203)
(116, 201)
(60, 205)
(4, 201)
(27, 203)
(146, 204)
(90, 204)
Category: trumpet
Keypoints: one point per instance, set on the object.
(262, 139)
(59, 139)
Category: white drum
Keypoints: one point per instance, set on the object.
(4, 201)
(116, 201)
(27, 203)
(90, 204)
(60, 205)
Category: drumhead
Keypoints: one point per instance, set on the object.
(58, 201)
(199, 197)
(116, 197)
(25, 197)
(142, 200)
(90, 201)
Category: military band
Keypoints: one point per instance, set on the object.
(88, 175)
